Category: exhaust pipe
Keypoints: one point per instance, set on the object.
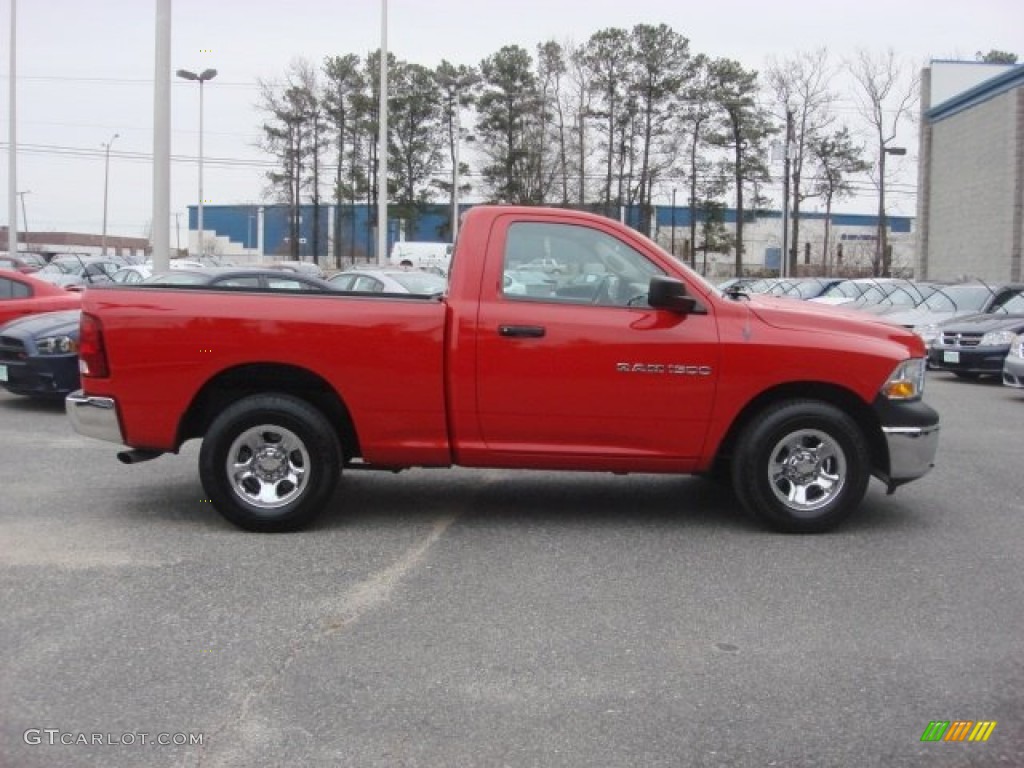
(137, 455)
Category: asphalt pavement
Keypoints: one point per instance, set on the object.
(450, 618)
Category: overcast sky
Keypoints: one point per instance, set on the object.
(85, 72)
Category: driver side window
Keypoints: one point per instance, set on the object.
(571, 264)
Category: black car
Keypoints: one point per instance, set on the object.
(39, 354)
(977, 345)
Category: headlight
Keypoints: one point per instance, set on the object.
(57, 345)
(907, 381)
(928, 333)
(998, 339)
(1017, 347)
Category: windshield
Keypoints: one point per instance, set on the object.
(1014, 305)
(844, 290)
(952, 298)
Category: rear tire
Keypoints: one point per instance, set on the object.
(801, 466)
(270, 463)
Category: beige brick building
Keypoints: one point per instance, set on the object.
(971, 174)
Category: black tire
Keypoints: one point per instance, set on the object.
(801, 466)
(270, 463)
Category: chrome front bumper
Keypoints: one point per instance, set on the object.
(94, 416)
(911, 453)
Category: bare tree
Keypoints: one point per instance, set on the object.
(800, 87)
(581, 87)
(458, 92)
(743, 129)
(836, 158)
(662, 69)
(886, 95)
(608, 55)
(345, 81)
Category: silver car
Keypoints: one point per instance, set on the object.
(1013, 365)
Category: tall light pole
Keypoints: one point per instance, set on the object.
(12, 136)
(382, 141)
(106, 186)
(881, 257)
(202, 77)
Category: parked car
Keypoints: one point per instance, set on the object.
(865, 290)
(803, 287)
(22, 294)
(977, 345)
(953, 301)
(389, 281)
(1013, 366)
(39, 354)
(307, 268)
(78, 271)
(134, 273)
(239, 277)
(23, 262)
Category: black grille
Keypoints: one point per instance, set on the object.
(11, 348)
(962, 340)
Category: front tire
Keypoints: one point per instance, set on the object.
(801, 466)
(270, 463)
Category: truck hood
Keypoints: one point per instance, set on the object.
(43, 324)
(796, 315)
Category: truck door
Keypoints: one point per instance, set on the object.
(573, 363)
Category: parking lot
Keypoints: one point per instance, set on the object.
(488, 618)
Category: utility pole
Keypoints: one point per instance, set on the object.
(12, 137)
(106, 186)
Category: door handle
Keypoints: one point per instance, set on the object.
(521, 331)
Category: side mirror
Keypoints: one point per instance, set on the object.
(670, 293)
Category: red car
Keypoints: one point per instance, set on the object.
(25, 295)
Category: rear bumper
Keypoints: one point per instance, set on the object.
(94, 416)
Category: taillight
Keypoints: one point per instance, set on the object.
(92, 357)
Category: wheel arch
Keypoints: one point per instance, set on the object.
(265, 378)
(844, 399)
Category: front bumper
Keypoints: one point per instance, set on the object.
(41, 376)
(1013, 372)
(911, 433)
(94, 416)
(980, 360)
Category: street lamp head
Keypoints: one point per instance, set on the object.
(184, 73)
(207, 74)
(895, 150)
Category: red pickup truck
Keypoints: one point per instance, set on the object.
(626, 362)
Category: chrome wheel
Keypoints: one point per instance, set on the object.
(807, 470)
(268, 466)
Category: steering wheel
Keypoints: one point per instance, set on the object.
(607, 290)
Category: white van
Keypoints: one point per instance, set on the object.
(410, 253)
